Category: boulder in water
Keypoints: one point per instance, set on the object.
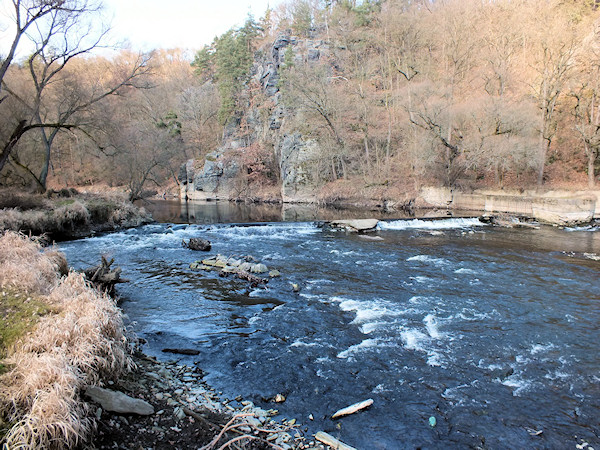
(356, 225)
(197, 244)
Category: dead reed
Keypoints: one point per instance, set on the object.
(82, 342)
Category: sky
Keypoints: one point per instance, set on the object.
(153, 24)
(150, 24)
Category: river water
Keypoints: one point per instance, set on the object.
(493, 332)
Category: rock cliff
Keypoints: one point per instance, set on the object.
(220, 176)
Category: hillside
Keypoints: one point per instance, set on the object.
(375, 101)
(339, 101)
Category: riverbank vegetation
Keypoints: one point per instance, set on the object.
(67, 213)
(72, 336)
(394, 95)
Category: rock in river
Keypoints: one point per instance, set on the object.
(197, 244)
(355, 226)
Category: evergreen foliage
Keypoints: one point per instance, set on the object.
(228, 61)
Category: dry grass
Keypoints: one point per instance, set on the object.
(24, 266)
(81, 343)
(70, 216)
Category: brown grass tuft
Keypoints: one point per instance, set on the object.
(22, 265)
(82, 343)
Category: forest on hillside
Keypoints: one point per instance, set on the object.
(459, 93)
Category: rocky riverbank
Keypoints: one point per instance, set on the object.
(188, 414)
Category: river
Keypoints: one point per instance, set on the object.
(494, 332)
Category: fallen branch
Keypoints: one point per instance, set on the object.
(225, 429)
(199, 418)
(103, 277)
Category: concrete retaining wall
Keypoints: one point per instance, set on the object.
(557, 207)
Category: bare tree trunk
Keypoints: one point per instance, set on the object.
(543, 151)
(591, 163)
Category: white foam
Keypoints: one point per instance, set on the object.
(417, 299)
(421, 279)
(432, 326)
(364, 345)
(539, 348)
(367, 311)
(584, 228)
(557, 375)
(518, 384)
(428, 259)
(319, 281)
(463, 270)
(265, 232)
(441, 224)
(369, 328)
(300, 343)
(414, 339)
(380, 388)
(434, 359)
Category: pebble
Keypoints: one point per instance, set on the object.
(159, 396)
(254, 422)
(180, 413)
(178, 391)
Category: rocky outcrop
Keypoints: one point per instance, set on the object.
(296, 156)
(217, 177)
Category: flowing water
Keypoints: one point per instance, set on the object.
(494, 332)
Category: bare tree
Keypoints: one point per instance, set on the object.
(65, 33)
(31, 12)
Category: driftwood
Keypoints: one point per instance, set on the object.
(353, 408)
(328, 439)
(253, 279)
(197, 244)
(103, 277)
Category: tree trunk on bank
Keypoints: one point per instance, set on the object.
(592, 155)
